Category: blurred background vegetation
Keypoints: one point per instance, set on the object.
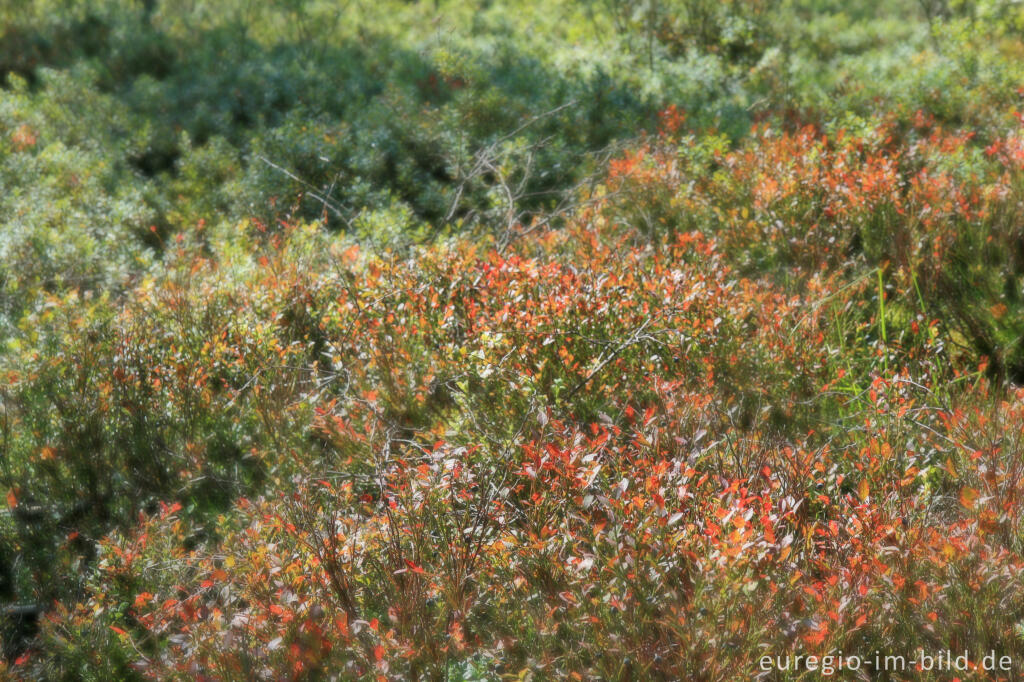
(146, 118)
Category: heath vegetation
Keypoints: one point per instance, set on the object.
(613, 339)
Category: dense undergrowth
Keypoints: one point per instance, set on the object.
(381, 342)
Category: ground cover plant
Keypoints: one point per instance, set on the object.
(603, 340)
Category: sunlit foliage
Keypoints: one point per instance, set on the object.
(380, 355)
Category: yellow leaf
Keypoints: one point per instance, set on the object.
(863, 490)
(968, 497)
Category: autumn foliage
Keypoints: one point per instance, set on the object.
(513, 340)
(749, 400)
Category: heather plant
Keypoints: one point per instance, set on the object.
(431, 341)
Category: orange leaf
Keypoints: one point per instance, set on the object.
(968, 497)
(863, 490)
